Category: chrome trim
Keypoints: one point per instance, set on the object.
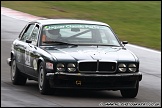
(97, 75)
(86, 61)
(96, 60)
(49, 74)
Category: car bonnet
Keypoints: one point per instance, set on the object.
(105, 53)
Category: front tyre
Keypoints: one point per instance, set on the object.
(130, 93)
(43, 83)
(16, 76)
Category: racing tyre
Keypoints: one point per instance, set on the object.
(16, 76)
(130, 93)
(43, 83)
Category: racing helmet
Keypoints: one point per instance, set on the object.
(53, 34)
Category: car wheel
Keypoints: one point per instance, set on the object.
(16, 76)
(130, 93)
(43, 83)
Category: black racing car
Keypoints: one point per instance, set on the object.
(70, 53)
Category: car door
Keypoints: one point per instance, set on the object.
(23, 46)
(18, 51)
(31, 55)
(20, 46)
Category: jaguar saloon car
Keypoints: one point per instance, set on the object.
(73, 54)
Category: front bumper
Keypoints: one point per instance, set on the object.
(94, 81)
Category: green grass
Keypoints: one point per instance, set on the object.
(138, 22)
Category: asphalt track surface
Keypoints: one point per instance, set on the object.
(28, 96)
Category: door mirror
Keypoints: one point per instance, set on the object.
(28, 41)
(124, 42)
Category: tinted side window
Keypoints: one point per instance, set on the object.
(34, 35)
(27, 32)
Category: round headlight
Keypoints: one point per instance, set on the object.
(122, 67)
(60, 67)
(71, 67)
(132, 68)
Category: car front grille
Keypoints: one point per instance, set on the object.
(97, 66)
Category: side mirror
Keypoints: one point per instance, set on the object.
(124, 42)
(28, 41)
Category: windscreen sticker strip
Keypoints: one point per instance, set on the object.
(51, 27)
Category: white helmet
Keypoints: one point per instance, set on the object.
(53, 34)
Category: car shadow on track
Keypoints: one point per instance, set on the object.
(32, 88)
(80, 93)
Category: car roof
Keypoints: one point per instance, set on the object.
(68, 21)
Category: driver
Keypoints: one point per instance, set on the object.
(51, 35)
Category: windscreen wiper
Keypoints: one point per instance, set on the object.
(112, 45)
(103, 45)
(59, 42)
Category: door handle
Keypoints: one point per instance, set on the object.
(16, 44)
(30, 45)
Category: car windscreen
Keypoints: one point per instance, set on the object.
(80, 34)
